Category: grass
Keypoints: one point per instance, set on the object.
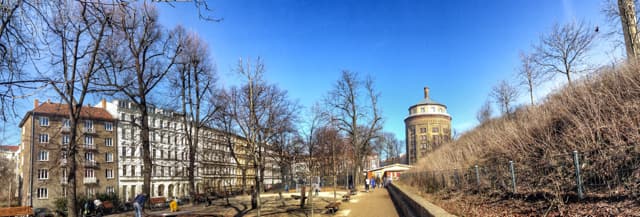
(598, 116)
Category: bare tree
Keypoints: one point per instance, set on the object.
(505, 96)
(484, 114)
(529, 74)
(564, 49)
(8, 177)
(260, 112)
(18, 44)
(137, 59)
(624, 12)
(223, 120)
(354, 103)
(194, 82)
(76, 33)
(388, 145)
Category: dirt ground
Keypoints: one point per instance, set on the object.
(374, 203)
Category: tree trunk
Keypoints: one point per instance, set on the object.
(71, 173)
(628, 20)
(146, 154)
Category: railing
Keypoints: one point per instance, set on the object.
(89, 130)
(63, 162)
(90, 147)
(90, 164)
(90, 180)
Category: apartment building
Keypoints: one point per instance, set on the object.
(215, 168)
(45, 136)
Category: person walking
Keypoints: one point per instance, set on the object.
(366, 184)
(138, 204)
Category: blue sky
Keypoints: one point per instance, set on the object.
(457, 48)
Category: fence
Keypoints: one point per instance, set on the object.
(571, 176)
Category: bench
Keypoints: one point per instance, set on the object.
(333, 207)
(353, 192)
(170, 214)
(16, 211)
(158, 202)
(346, 197)
(107, 206)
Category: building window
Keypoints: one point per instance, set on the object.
(108, 126)
(122, 116)
(110, 189)
(66, 123)
(43, 156)
(44, 121)
(88, 140)
(90, 191)
(423, 138)
(133, 170)
(65, 139)
(42, 193)
(133, 151)
(124, 152)
(44, 138)
(423, 130)
(64, 190)
(154, 154)
(43, 174)
(435, 130)
(124, 170)
(108, 142)
(433, 109)
(88, 156)
(109, 173)
(89, 173)
(88, 124)
(422, 109)
(108, 156)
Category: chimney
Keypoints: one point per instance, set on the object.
(35, 103)
(104, 103)
(48, 100)
(426, 92)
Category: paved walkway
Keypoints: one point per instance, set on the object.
(373, 203)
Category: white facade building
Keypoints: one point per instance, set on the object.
(215, 167)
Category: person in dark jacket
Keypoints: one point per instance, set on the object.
(138, 203)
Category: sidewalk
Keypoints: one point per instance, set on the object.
(373, 203)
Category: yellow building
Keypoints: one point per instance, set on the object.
(427, 126)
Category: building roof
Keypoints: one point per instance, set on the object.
(12, 148)
(428, 101)
(58, 109)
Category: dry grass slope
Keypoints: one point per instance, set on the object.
(599, 116)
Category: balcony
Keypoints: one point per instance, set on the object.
(90, 164)
(90, 147)
(63, 180)
(89, 130)
(90, 180)
(66, 129)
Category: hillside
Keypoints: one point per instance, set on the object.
(598, 116)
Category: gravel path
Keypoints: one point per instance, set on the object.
(372, 204)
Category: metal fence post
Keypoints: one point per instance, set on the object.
(576, 162)
(477, 177)
(513, 176)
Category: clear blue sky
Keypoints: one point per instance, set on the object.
(457, 48)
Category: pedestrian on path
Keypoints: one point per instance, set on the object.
(366, 184)
(373, 184)
(138, 204)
